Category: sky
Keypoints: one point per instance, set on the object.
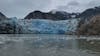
(20, 8)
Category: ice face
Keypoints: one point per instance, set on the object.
(48, 26)
(42, 26)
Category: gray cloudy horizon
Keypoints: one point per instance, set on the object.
(20, 8)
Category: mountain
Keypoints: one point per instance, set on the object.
(2, 16)
(52, 15)
(90, 27)
(88, 14)
(89, 22)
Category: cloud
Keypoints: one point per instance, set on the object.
(73, 3)
(20, 8)
(78, 5)
(93, 3)
(72, 6)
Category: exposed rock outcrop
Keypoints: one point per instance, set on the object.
(88, 14)
(90, 27)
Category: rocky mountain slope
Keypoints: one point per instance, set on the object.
(91, 27)
(53, 15)
(90, 22)
(88, 14)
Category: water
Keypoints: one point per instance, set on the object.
(48, 45)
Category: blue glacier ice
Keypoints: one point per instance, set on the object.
(42, 26)
(48, 26)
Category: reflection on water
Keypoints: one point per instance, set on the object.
(48, 45)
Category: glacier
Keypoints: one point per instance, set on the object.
(42, 26)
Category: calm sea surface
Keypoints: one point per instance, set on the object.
(48, 45)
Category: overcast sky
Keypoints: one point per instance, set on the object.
(20, 8)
